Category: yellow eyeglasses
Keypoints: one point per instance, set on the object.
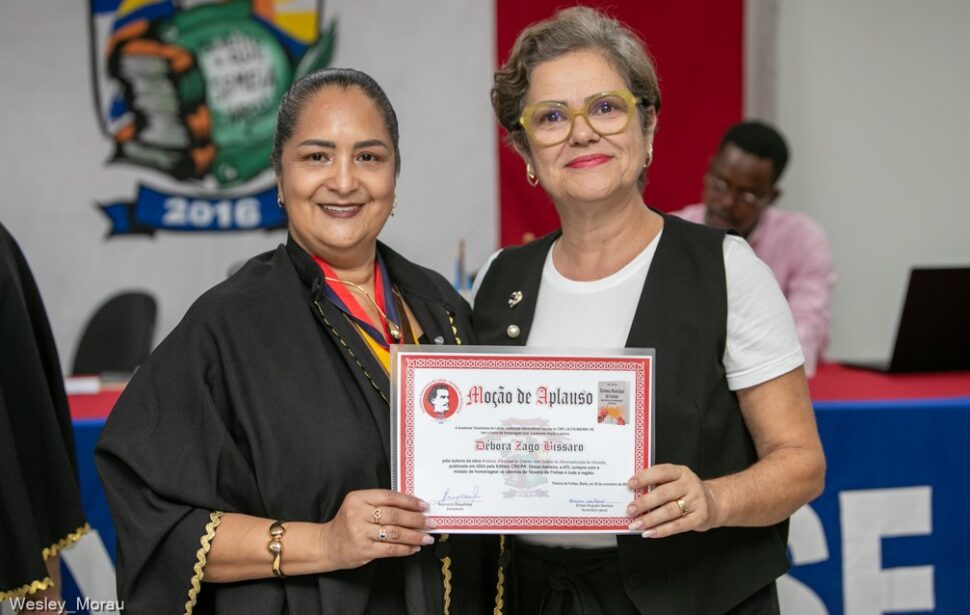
(608, 113)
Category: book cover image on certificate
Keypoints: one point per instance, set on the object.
(614, 405)
(516, 442)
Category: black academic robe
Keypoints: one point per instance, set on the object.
(264, 401)
(40, 505)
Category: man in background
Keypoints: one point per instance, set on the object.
(739, 190)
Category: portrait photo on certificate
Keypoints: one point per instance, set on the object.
(521, 440)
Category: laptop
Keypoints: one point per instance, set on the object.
(934, 329)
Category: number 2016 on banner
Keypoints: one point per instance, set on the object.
(202, 214)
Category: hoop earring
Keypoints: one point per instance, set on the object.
(530, 175)
(279, 200)
(649, 157)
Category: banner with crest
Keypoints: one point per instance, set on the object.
(188, 91)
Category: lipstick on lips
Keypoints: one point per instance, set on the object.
(590, 160)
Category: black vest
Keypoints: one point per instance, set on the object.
(682, 314)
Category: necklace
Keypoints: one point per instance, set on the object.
(392, 328)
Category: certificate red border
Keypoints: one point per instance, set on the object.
(422, 360)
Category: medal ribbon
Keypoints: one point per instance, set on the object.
(340, 296)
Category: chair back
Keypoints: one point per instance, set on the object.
(118, 337)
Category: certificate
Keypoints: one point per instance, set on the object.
(521, 440)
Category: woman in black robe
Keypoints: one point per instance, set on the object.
(247, 462)
(40, 504)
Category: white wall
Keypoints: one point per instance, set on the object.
(872, 94)
(875, 100)
(434, 58)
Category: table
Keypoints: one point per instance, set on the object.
(89, 411)
(837, 384)
(889, 533)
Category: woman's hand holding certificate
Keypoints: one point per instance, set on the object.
(679, 502)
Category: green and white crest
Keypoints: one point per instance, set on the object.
(191, 88)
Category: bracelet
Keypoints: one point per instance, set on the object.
(276, 532)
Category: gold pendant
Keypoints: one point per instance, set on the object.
(394, 330)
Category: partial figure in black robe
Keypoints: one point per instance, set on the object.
(264, 400)
(40, 504)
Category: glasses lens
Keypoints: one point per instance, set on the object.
(720, 186)
(717, 184)
(609, 114)
(549, 123)
(749, 198)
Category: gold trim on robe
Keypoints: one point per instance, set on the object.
(47, 553)
(205, 543)
(32, 588)
(66, 542)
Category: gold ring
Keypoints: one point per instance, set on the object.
(382, 534)
(376, 514)
(683, 506)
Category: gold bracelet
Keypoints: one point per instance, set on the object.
(276, 533)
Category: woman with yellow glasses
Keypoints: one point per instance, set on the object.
(737, 450)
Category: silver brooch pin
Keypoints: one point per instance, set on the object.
(515, 298)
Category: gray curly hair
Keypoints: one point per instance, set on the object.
(573, 29)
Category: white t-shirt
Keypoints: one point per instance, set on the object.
(761, 339)
(761, 344)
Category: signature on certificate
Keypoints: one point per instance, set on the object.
(596, 505)
(587, 501)
(459, 499)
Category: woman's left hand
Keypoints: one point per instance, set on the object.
(679, 502)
